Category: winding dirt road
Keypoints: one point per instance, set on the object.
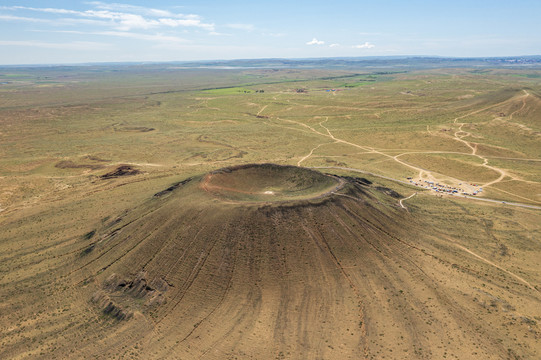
(406, 198)
(311, 153)
(497, 266)
(459, 136)
(527, 206)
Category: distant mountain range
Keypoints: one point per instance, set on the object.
(378, 62)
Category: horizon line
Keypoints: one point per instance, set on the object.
(374, 57)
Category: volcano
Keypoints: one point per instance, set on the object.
(275, 262)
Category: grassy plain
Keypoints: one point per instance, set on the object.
(62, 129)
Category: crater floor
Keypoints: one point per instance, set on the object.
(269, 183)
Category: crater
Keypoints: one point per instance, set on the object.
(269, 183)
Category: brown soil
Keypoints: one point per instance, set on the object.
(346, 275)
(68, 164)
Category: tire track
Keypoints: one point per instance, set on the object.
(406, 198)
(311, 152)
(498, 267)
(220, 302)
(203, 257)
(322, 241)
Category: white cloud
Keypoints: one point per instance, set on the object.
(334, 45)
(186, 22)
(20, 18)
(366, 45)
(214, 33)
(275, 34)
(46, 10)
(315, 42)
(78, 21)
(126, 34)
(245, 27)
(130, 8)
(138, 18)
(74, 45)
(138, 36)
(152, 12)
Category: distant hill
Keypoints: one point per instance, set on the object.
(376, 62)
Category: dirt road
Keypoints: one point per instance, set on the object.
(406, 198)
(407, 183)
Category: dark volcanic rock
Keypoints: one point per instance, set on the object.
(123, 170)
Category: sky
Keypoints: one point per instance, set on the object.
(66, 32)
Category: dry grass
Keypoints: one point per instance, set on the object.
(323, 278)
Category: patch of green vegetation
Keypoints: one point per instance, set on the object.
(16, 75)
(529, 76)
(229, 91)
(480, 71)
(356, 84)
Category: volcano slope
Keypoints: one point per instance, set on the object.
(268, 261)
